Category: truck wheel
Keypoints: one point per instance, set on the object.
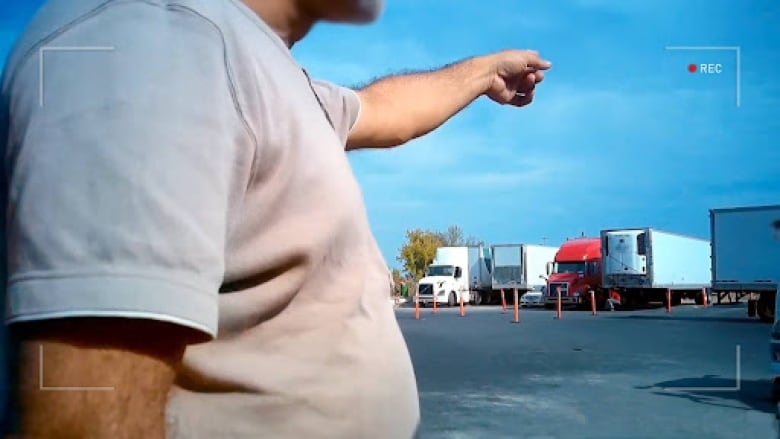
(766, 308)
(601, 299)
(776, 390)
(477, 299)
(452, 300)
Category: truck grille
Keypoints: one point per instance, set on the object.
(425, 290)
(553, 289)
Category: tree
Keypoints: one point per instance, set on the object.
(420, 248)
(454, 237)
(418, 251)
(402, 284)
(397, 278)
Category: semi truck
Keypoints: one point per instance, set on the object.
(520, 266)
(642, 264)
(746, 257)
(575, 271)
(456, 272)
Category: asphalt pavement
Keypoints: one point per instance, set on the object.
(694, 373)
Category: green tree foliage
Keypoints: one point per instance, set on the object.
(418, 251)
(454, 237)
(420, 248)
(397, 277)
(402, 283)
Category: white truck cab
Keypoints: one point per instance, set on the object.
(443, 283)
(456, 273)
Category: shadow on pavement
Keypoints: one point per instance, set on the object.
(695, 318)
(752, 394)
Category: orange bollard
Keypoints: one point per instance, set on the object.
(593, 302)
(462, 308)
(559, 311)
(704, 297)
(503, 301)
(517, 308)
(416, 307)
(668, 300)
(435, 304)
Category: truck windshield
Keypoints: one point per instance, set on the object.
(569, 267)
(441, 270)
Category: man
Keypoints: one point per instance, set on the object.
(613, 301)
(173, 174)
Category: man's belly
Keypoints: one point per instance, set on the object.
(350, 379)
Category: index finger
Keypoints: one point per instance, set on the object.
(533, 61)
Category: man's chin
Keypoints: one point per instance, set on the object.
(363, 12)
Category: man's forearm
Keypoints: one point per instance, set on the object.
(403, 107)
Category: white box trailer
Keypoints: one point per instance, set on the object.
(455, 272)
(521, 266)
(746, 256)
(643, 263)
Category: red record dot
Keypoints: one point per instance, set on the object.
(692, 68)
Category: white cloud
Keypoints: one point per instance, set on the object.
(493, 180)
(527, 157)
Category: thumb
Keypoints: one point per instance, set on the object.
(506, 95)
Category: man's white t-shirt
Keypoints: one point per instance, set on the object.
(170, 160)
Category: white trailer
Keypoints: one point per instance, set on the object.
(643, 263)
(520, 266)
(746, 257)
(456, 272)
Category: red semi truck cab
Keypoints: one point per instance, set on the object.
(576, 271)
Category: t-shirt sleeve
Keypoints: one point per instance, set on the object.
(117, 172)
(342, 105)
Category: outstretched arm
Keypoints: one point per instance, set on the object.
(399, 108)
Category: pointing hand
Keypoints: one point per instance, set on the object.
(514, 75)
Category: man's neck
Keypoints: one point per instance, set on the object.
(286, 17)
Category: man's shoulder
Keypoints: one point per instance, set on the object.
(184, 22)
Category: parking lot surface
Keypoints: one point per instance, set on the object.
(637, 374)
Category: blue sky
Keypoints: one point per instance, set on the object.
(620, 134)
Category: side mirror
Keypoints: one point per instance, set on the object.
(549, 268)
(458, 273)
